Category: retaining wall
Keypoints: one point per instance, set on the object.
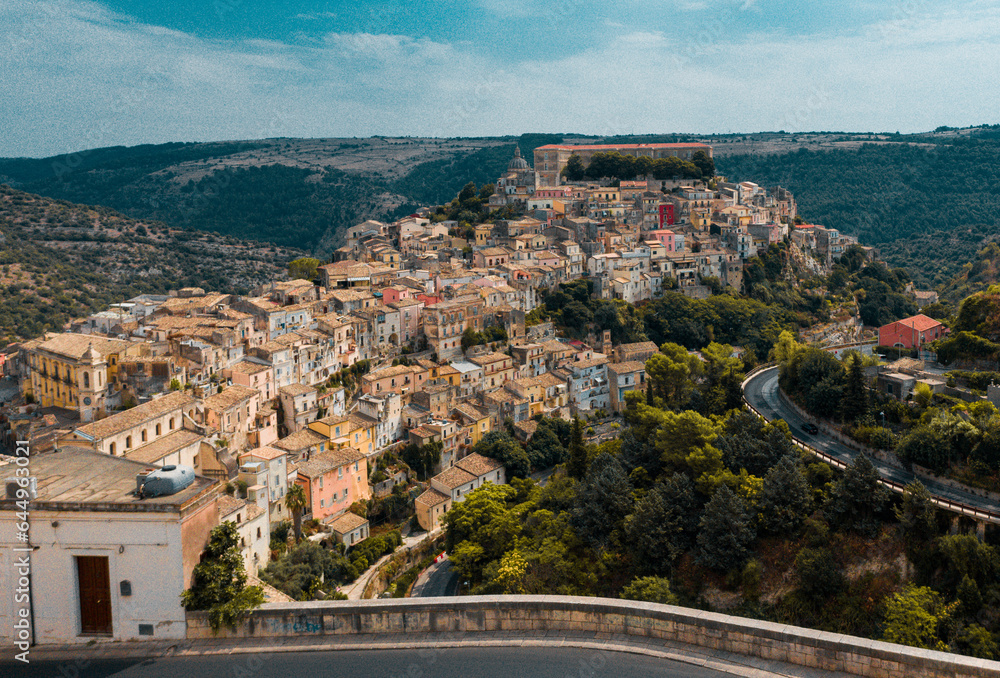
(576, 615)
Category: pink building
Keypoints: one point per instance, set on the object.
(664, 236)
(395, 293)
(911, 332)
(333, 481)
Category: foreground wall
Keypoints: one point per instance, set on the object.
(805, 647)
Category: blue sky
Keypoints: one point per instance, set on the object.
(76, 75)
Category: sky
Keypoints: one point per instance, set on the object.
(76, 75)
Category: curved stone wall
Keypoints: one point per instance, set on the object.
(767, 640)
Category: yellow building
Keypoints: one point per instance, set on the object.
(477, 421)
(75, 371)
(354, 430)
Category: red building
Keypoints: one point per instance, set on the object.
(911, 332)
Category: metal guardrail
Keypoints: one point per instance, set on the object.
(946, 504)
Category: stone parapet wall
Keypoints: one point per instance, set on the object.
(472, 614)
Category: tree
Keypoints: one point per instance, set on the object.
(577, 466)
(481, 528)
(544, 449)
(304, 268)
(574, 169)
(602, 501)
(663, 524)
(855, 403)
(296, 502)
(749, 443)
(917, 515)
(501, 446)
(670, 374)
(915, 617)
(927, 447)
(422, 459)
(858, 499)
(704, 163)
(650, 590)
(218, 582)
(784, 499)
(726, 532)
(820, 578)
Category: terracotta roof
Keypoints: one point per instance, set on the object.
(116, 423)
(231, 396)
(347, 522)
(264, 453)
(158, 449)
(328, 461)
(455, 477)
(75, 345)
(296, 389)
(433, 498)
(919, 322)
(479, 465)
(248, 367)
(627, 366)
(300, 440)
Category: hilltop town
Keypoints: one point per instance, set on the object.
(375, 375)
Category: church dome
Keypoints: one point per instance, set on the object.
(518, 163)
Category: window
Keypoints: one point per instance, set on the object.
(86, 380)
(158, 429)
(340, 472)
(111, 449)
(171, 424)
(128, 442)
(143, 435)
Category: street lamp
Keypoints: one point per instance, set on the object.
(883, 418)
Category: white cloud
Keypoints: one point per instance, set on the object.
(77, 76)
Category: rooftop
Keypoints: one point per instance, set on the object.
(158, 449)
(478, 465)
(347, 522)
(300, 440)
(122, 421)
(80, 479)
(455, 477)
(325, 462)
(231, 396)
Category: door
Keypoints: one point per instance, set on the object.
(95, 595)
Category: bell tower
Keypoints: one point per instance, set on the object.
(92, 374)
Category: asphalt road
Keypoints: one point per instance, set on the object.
(438, 580)
(761, 391)
(439, 663)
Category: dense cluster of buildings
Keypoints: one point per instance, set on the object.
(250, 390)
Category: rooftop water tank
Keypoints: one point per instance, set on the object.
(163, 481)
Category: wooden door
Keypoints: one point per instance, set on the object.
(95, 595)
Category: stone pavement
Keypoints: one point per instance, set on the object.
(726, 662)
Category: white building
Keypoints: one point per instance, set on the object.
(105, 563)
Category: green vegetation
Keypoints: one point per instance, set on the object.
(288, 205)
(219, 581)
(614, 165)
(60, 261)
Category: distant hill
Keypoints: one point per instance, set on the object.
(293, 192)
(928, 202)
(975, 276)
(59, 261)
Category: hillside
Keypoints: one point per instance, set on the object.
(292, 192)
(59, 261)
(914, 196)
(929, 203)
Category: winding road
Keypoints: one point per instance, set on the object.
(760, 390)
